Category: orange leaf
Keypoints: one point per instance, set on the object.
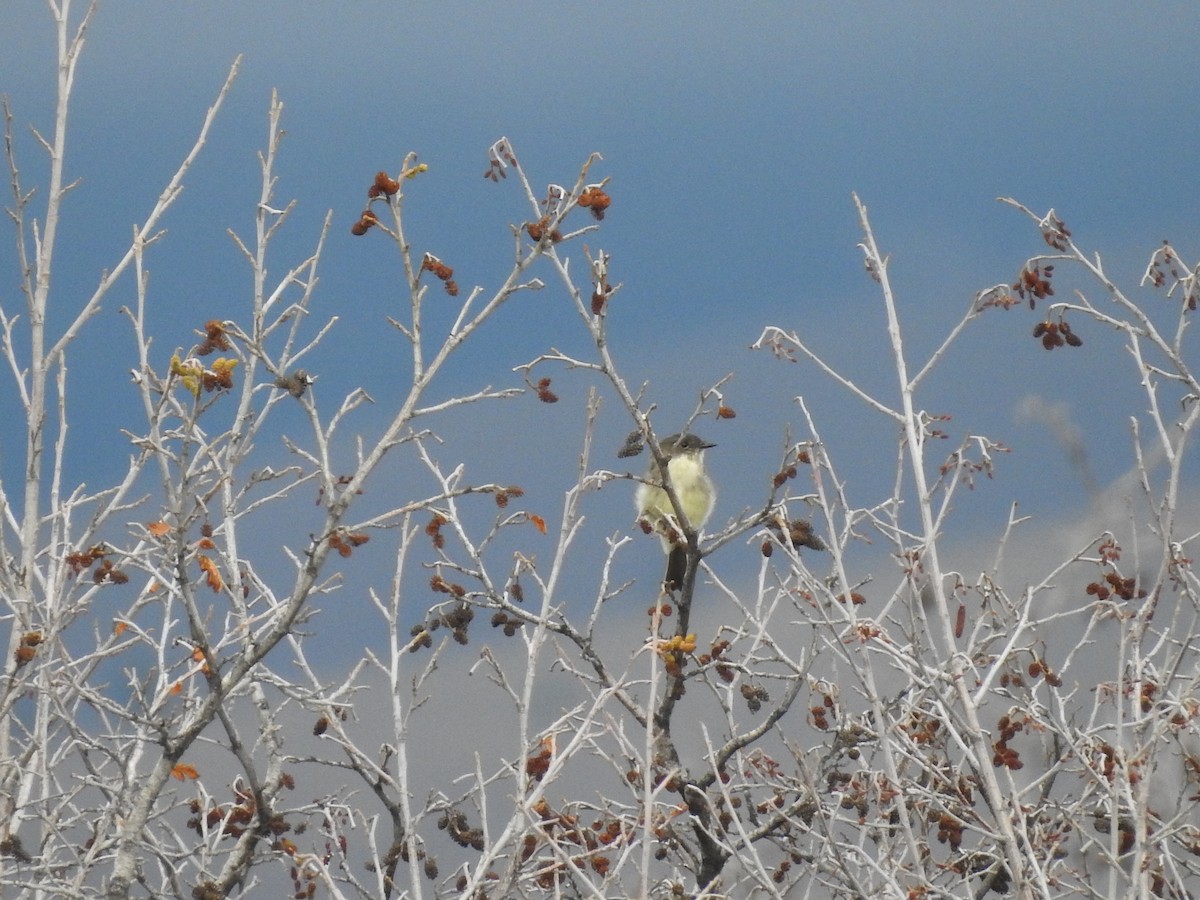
(538, 522)
(198, 656)
(183, 771)
(158, 529)
(119, 627)
(152, 586)
(206, 544)
(209, 568)
(177, 689)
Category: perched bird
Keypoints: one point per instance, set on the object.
(693, 488)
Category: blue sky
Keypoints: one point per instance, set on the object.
(733, 135)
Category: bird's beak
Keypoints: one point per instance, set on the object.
(705, 445)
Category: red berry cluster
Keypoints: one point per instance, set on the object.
(754, 696)
(510, 624)
(800, 533)
(921, 728)
(1002, 754)
(716, 654)
(443, 272)
(1039, 667)
(457, 618)
(1055, 334)
(1034, 283)
(1166, 261)
(384, 186)
(781, 477)
(821, 714)
(28, 649)
(364, 223)
(950, 830)
(499, 155)
(544, 393)
(214, 338)
(234, 819)
(1055, 232)
(105, 572)
(434, 530)
(595, 200)
(1125, 588)
(344, 541)
(541, 229)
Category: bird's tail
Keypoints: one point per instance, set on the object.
(676, 568)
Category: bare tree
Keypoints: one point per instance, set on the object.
(908, 722)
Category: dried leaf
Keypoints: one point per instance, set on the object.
(212, 573)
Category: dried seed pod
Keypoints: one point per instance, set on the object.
(384, 184)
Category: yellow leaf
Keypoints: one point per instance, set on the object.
(189, 373)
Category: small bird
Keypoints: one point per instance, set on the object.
(693, 488)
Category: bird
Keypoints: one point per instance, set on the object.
(695, 491)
